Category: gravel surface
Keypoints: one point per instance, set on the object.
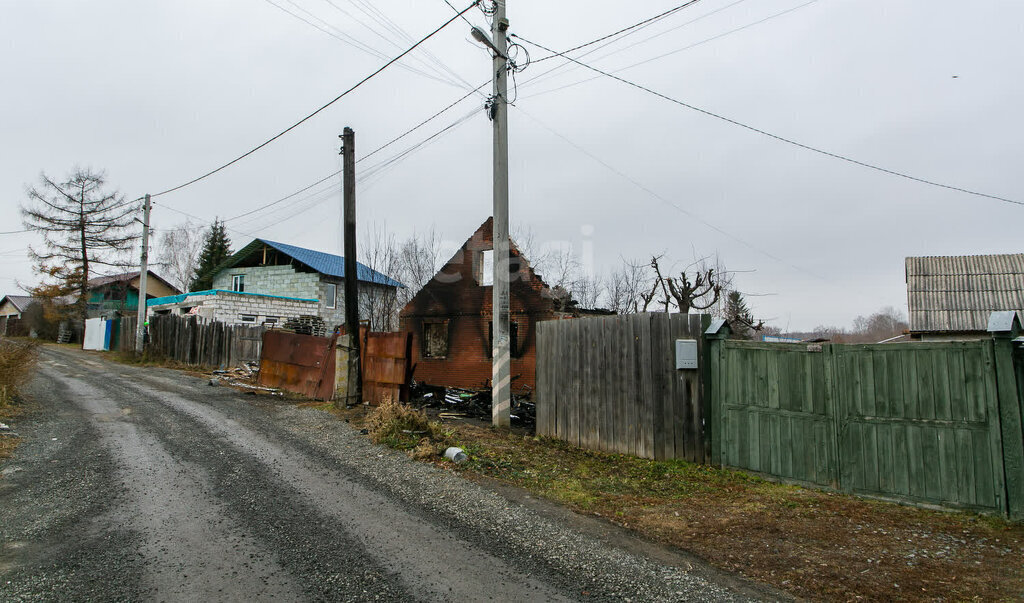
(148, 484)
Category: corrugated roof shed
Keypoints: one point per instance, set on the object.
(958, 293)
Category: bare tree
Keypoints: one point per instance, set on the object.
(588, 291)
(626, 287)
(419, 259)
(696, 290)
(83, 226)
(378, 305)
(178, 257)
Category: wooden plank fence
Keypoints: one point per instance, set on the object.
(188, 340)
(931, 423)
(610, 384)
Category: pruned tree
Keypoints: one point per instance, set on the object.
(696, 290)
(84, 226)
(178, 257)
(216, 249)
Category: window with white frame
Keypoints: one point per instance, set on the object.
(238, 283)
(330, 295)
(247, 318)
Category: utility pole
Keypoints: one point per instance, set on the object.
(501, 370)
(140, 328)
(355, 373)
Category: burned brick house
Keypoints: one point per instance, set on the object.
(450, 318)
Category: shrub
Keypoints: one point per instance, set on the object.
(400, 426)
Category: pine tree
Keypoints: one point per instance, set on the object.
(216, 249)
(738, 315)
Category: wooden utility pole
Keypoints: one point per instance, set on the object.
(501, 370)
(355, 373)
(140, 328)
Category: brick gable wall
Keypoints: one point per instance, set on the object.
(455, 295)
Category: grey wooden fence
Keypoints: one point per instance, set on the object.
(611, 384)
(190, 341)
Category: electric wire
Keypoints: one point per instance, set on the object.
(664, 199)
(316, 112)
(10, 232)
(670, 53)
(621, 31)
(367, 178)
(351, 40)
(566, 66)
(390, 25)
(775, 136)
(363, 158)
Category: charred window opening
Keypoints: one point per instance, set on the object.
(513, 336)
(435, 339)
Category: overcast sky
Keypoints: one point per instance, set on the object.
(157, 93)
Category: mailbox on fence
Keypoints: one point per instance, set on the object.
(686, 354)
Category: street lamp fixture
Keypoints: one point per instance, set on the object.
(481, 36)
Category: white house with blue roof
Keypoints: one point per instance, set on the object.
(269, 282)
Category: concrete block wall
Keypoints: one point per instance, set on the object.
(273, 280)
(286, 282)
(228, 308)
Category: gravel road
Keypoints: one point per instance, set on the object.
(148, 484)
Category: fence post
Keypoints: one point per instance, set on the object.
(1004, 327)
(715, 337)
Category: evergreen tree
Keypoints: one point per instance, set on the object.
(738, 315)
(216, 249)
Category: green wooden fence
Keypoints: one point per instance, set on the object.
(935, 423)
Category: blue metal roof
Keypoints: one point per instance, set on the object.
(331, 265)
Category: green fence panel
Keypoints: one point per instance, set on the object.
(919, 422)
(773, 402)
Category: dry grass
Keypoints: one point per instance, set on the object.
(814, 544)
(17, 359)
(400, 426)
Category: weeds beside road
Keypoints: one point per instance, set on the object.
(17, 360)
(812, 544)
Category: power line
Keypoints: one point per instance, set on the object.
(621, 31)
(636, 29)
(670, 53)
(774, 136)
(349, 39)
(283, 199)
(665, 200)
(365, 157)
(10, 232)
(457, 10)
(314, 113)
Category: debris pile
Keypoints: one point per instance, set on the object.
(246, 371)
(242, 376)
(456, 403)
